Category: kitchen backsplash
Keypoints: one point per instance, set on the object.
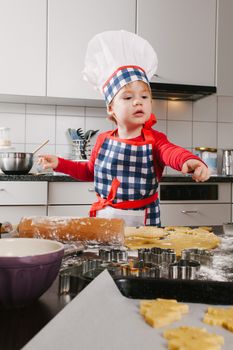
(207, 122)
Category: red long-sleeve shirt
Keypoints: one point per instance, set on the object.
(164, 153)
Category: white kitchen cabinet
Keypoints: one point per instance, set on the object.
(13, 214)
(70, 198)
(71, 193)
(22, 198)
(69, 210)
(225, 48)
(23, 193)
(195, 214)
(183, 33)
(71, 24)
(23, 47)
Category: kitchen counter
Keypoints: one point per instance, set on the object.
(19, 325)
(59, 177)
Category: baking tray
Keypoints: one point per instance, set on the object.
(213, 286)
(194, 291)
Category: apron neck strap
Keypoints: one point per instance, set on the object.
(150, 122)
(146, 130)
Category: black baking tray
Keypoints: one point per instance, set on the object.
(193, 291)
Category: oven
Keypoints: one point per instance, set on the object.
(195, 204)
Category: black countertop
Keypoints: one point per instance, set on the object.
(19, 325)
(58, 177)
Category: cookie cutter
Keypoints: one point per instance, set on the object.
(184, 269)
(144, 254)
(168, 256)
(141, 269)
(157, 255)
(113, 255)
(203, 256)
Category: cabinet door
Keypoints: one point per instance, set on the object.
(23, 192)
(195, 214)
(71, 24)
(225, 48)
(13, 214)
(23, 47)
(69, 210)
(183, 34)
(71, 193)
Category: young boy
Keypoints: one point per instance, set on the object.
(127, 163)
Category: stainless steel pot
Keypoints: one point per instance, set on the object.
(16, 163)
(227, 162)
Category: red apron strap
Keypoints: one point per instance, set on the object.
(102, 202)
(138, 203)
(135, 204)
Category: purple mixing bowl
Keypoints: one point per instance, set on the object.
(28, 267)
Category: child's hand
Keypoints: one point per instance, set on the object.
(47, 161)
(200, 171)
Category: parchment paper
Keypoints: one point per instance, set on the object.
(100, 318)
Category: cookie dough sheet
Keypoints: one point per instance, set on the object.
(100, 318)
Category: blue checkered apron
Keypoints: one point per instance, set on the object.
(132, 164)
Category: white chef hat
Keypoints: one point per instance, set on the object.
(116, 58)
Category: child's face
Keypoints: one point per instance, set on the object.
(132, 105)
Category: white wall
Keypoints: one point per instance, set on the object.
(207, 122)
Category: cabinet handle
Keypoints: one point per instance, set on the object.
(189, 211)
(91, 189)
(2, 189)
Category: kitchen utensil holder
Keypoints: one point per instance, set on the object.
(81, 149)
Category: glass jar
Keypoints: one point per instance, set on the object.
(5, 137)
(209, 157)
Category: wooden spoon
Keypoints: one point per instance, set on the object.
(39, 147)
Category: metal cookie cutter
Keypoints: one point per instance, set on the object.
(79, 269)
(141, 269)
(157, 255)
(91, 264)
(144, 254)
(168, 256)
(113, 255)
(163, 255)
(203, 256)
(184, 269)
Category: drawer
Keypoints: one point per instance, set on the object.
(71, 193)
(23, 192)
(13, 214)
(69, 210)
(195, 214)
